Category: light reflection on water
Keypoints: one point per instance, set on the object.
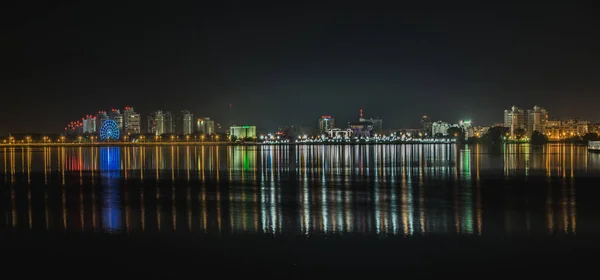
(401, 190)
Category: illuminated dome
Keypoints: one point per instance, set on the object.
(109, 130)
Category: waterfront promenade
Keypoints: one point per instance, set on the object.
(212, 143)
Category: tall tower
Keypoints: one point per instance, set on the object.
(187, 122)
(115, 115)
(515, 119)
(131, 121)
(536, 119)
(426, 125)
(326, 123)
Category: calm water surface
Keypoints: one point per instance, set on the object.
(272, 203)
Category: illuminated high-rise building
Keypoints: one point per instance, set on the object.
(183, 123)
(426, 125)
(205, 126)
(89, 124)
(156, 123)
(169, 124)
(536, 120)
(515, 119)
(115, 115)
(100, 118)
(187, 125)
(326, 123)
(131, 121)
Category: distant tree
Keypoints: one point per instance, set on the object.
(538, 139)
(519, 133)
(456, 133)
(590, 137)
(439, 135)
(494, 135)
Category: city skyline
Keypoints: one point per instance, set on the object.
(191, 122)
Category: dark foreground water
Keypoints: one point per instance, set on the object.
(306, 212)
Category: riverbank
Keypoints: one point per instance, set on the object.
(143, 144)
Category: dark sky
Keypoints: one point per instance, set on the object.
(291, 63)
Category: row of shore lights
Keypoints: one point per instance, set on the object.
(62, 139)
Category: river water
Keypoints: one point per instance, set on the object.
(303, 211)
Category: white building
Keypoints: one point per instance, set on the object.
(206, 126)
(515, 119)
(536, 120)
(339, 133)
(131, 121)
(467, 127)
(246, 131)
(115, 115)
(89, 124)
(157, 123)
(440, 127)
(187, 119)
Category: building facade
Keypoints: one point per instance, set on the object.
(246, 131)
(536, 120)
(467, 127)
(187, 120)
(337, 133)
(115, 115)
(376, 122)
(131, 121)
(426, 126)
(326, 123)
(558, 130)
(157, 123)
(100, 118)
(439, 128)
(89, 124)
(515, 119)
(205, 126)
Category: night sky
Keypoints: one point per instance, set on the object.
(291, 63)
